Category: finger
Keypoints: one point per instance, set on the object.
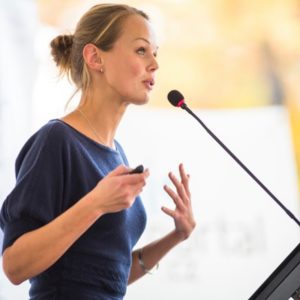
(119, 170)
(136, 192)
(146, 173)
(134, 179)
(169, 212)
(174, 196)
(183, 175)
(179, 187)
(184, 179)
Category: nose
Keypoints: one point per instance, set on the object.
(154, 64)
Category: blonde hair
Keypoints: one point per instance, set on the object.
(101, 26)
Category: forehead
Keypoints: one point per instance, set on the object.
(136, 27)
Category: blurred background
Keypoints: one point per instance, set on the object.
(238, 64)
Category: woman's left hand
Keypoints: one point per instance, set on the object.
(183, 213)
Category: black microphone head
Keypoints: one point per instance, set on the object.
(176, 98)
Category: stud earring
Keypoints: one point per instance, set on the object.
(101, 70)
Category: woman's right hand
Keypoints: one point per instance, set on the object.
(113, 193)
(118, 190)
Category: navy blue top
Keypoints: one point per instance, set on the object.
(56, 167)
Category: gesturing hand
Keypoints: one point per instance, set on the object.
(182, 214)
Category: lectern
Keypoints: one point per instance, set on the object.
(284, 282)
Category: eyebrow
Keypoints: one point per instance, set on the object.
(145, 40)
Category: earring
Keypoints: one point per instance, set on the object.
(101, 70)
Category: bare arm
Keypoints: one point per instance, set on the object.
(36, 251)
(152, 254)
(184, 225)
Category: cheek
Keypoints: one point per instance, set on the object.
(136, 69)
(128, 77)
(125, 75)
(132, 68)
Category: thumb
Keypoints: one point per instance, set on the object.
(120, 170)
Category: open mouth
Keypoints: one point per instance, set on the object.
(149, 83)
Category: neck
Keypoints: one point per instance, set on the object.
(104, 115)
(98, 117)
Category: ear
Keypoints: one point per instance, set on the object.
(92, 57)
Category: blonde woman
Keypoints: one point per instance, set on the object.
(74, 215)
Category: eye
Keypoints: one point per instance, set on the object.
(141, 51)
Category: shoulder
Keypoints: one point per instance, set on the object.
(49, 140)
(54, 132)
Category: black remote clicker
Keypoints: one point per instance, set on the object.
(139, 169)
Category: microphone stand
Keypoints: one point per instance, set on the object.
(287, 211)
(284, 282)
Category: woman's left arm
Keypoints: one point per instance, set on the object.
(184, 221)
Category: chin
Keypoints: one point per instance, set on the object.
(140, 100)
(144, 101)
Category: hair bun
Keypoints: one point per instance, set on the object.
(61, 47)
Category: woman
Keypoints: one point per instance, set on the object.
(74, 216)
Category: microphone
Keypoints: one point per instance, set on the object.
(177, 99)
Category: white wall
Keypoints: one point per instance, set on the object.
(17, 78)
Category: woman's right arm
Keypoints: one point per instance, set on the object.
(37, 250)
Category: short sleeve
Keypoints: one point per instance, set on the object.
(37, 196)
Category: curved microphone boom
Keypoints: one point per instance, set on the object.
(177, 99)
